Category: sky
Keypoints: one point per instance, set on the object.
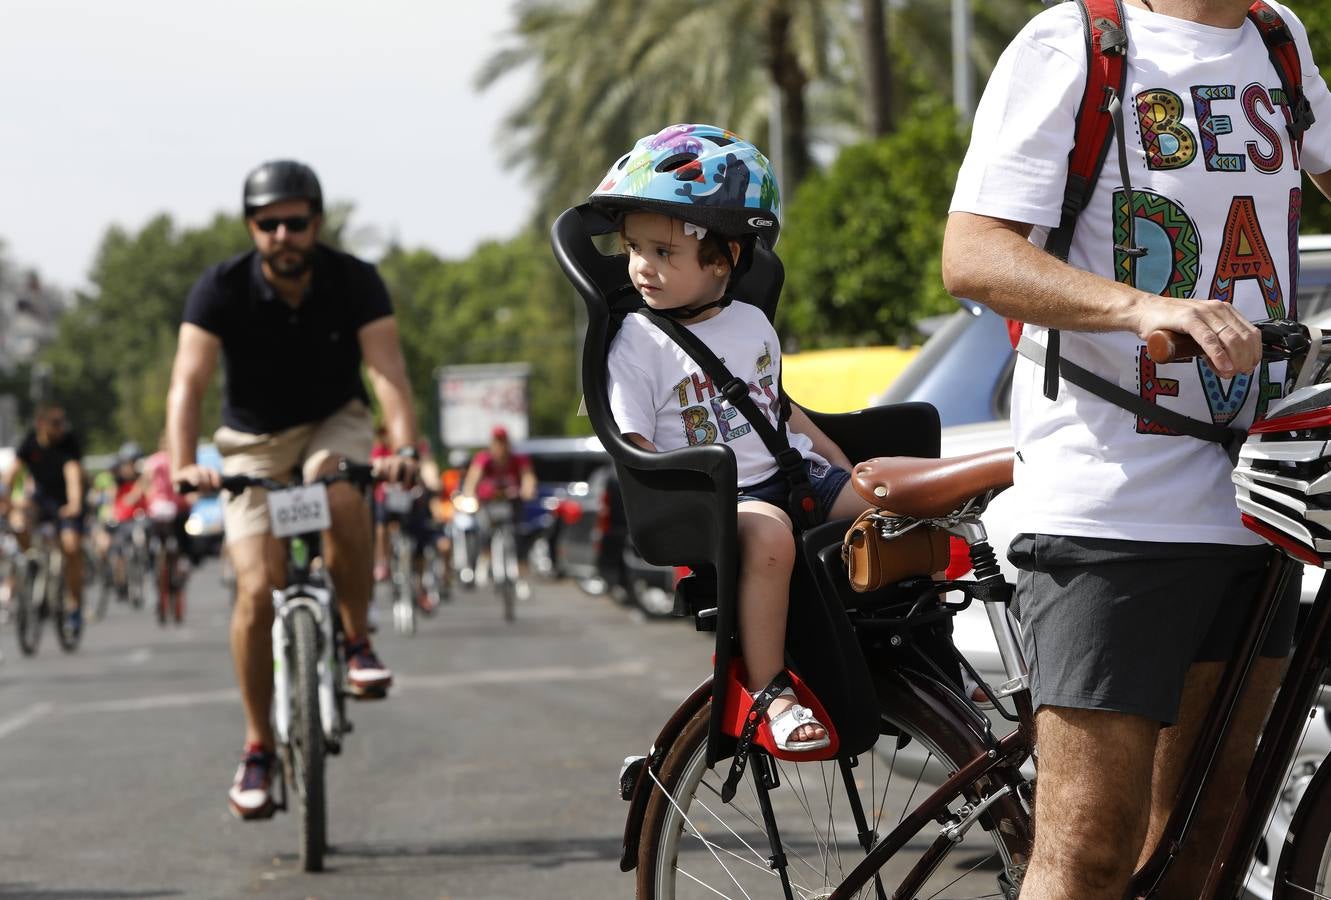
(116, 111)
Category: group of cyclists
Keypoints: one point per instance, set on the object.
(45, 483)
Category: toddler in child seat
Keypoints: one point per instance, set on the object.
(691, 201)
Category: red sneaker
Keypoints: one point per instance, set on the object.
(251, 794)
(366, 675)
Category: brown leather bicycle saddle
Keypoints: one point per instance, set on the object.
(927, 488)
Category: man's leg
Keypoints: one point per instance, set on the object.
(259, 562)
(347, 552)
(1188, 872)
(1091, 802)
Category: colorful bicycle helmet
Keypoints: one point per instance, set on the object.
(701, 174)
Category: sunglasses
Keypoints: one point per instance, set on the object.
(293, 224)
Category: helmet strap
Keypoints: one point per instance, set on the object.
(685, 313)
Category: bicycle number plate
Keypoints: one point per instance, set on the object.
(299, 510)
(397, 500)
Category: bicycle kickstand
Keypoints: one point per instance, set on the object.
(763, 770)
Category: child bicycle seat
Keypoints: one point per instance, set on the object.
(681, 504)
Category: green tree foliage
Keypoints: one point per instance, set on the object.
(609, 72)
(111, 359)
(862, 240)
(1316, 18)
(506, 302)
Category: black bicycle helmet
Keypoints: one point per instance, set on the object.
(282, 179)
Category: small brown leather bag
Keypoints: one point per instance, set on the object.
(873, 561)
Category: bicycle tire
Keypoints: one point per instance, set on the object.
(728, 853)
(135, 575)
(502, 554)
(307, 739)
(433, 581)
(162, 580)
(55, 599)
(27, 609)
(404, 603)
(104, 576)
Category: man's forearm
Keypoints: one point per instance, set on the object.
(182, 425)
(394, 395)
(994, 263)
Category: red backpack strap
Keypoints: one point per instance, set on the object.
(1284, 55)
(1106, 75)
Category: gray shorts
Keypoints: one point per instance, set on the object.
(1113, 624)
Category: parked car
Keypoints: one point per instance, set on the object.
(563, 467)
(965, 370)
(598, 551)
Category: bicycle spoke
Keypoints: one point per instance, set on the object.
(683, 815)
(1311, 893)
(963, 875)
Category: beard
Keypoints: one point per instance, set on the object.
(289, 262)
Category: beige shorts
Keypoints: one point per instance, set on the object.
(349, 433)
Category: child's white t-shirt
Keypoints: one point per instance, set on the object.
(659, 392)
(1216, 197)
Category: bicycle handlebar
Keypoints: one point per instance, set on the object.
(359, 474)
(1282, 339)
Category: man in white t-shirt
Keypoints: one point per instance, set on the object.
(1136, 571)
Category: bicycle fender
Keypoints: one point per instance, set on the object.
(655, 757)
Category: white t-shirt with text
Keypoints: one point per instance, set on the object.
(659, 392)
(1216, 192)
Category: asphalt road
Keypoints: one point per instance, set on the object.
(490, 772)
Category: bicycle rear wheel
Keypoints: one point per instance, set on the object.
(503, 562)
(404, 601)
(695, 846)
(28, 607)
(103, 575)
(163, 584)
(307, 739)
(67, 636)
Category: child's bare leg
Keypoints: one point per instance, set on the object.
(767, 556)
(847, 504)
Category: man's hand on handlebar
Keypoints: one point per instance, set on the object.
(398, 469)
(198, 478)
(1230, 342)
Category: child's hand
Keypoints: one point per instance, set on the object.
(641, 441)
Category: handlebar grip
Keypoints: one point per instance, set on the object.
(1171, 346)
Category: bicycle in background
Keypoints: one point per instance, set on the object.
(497, 520)
(41, 592)
(168, 565)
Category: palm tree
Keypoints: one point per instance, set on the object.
(608, 72)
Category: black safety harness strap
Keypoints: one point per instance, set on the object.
(757, 712)
(1230, 439)
(803, 507)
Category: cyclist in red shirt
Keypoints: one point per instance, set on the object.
(498, 472)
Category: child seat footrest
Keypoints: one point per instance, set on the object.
(746, 721)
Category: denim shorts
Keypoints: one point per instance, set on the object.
(1114, 624)
(826, 481)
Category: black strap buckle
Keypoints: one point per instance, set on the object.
(1301, 116)
(735, 390)
(791, 461)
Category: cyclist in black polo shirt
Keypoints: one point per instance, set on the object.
(292, 321)
(53, 457)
